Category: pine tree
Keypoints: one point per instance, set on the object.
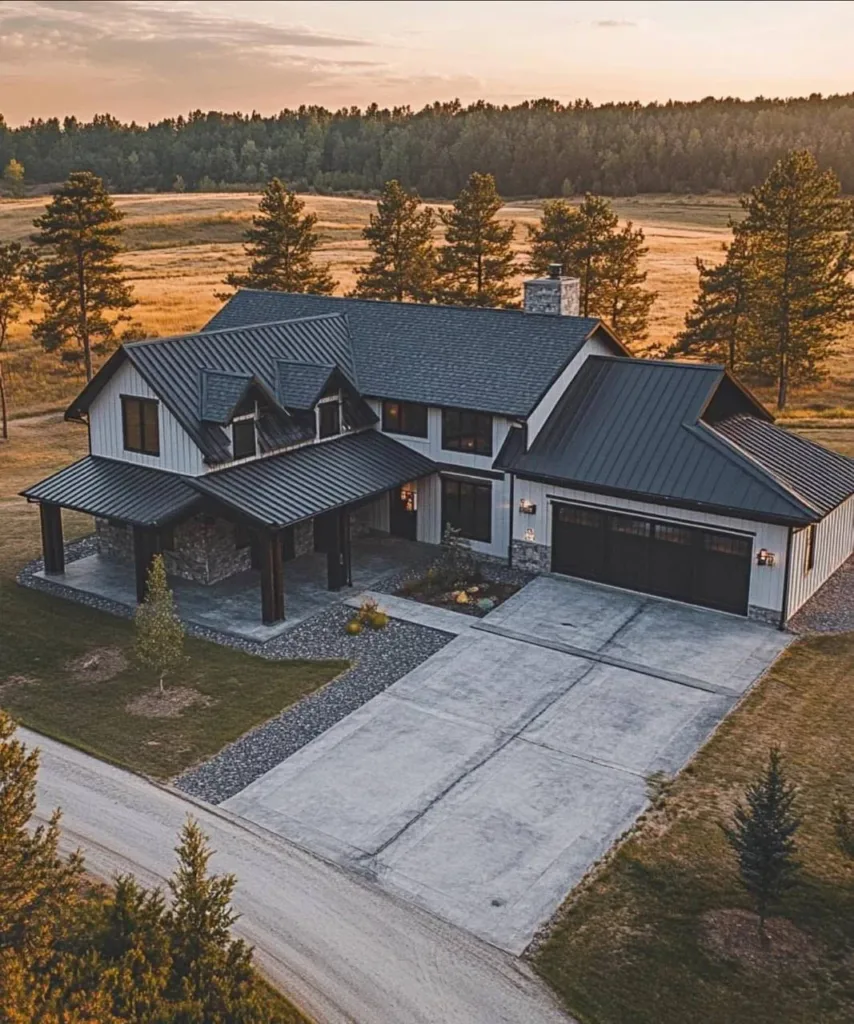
(624, 303)
(39, 891)
(401, 236)
(801, 234)
(159, 641)
(281, 245)
(476, 263)
(212, 975)
(16, 294)
(762, 837)
(80, 278)
(13, 178)
(718, 327)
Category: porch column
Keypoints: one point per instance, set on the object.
(145, 546)
(272, 578)
(53, 547)
(338, 571)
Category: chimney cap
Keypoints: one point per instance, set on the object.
(555, 270)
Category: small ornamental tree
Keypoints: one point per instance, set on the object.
(159, 643)
(762, 837)
(13, 178)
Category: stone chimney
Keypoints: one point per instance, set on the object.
(554, 295)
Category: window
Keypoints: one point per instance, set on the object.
(464, 431)
(405, 418)
(329, 419)
(809, 553)
(243, 438)
(468, 507)
(140, 425)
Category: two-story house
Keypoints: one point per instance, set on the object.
(291, 422)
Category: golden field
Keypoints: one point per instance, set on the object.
(181, 246)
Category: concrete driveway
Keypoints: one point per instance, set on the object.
(486, 782)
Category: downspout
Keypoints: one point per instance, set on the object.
(510, 539)
(783, 616)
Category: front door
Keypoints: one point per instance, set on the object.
(403, 513)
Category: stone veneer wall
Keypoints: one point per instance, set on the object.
(204, 550)
(766, 615)
(559, 296)
(114, 540)
(303, 538)
(531, 556)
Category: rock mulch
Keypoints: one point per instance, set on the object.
(831, 609)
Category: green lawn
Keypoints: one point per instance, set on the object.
(45, 643)
(652, 937)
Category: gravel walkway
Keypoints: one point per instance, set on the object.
(831, 609)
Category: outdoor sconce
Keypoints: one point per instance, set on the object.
(765, 557)
(527, 507)
(530, 536)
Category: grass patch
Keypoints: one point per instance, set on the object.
(657, 935)
(56, 677)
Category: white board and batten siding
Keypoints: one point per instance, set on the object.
(834, 543)
(178, 451)
(767, 583)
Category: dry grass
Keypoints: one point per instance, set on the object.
(181, 246)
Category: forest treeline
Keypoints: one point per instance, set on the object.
(538, 148)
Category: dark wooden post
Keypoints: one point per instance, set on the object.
(145, 546)
(338, 551)
(272, 578)
(53, 547)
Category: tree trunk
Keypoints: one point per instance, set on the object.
(84, 318)
(4, 412)
(783, 382)
(162, 691)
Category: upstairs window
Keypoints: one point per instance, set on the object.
(140, 425)
(464, 431)
(329, 418)
(405, 418)
(243, 441)
(809, 553)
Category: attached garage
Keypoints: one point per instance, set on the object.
(686, 563)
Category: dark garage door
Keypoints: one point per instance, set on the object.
(682, 562)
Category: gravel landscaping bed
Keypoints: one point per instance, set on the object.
(831, 609)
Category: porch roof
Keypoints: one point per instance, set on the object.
(283, 489)
(111, 489)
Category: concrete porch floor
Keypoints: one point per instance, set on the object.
(233, 605)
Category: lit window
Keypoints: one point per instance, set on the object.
(405, 418)
(465, 431)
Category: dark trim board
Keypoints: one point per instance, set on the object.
(555, 499)
(448, 468)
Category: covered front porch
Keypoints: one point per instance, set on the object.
(233, 605)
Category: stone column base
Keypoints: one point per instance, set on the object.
(531, 556)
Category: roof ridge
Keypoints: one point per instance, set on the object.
(708, 432)
(143, 342)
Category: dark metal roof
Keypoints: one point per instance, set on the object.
(221, 393)
(633, 427)
(296, 485)
(299, 385)
(492, 360)
(822, 477)
(117, 490)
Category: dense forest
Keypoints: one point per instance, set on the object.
(538, 148)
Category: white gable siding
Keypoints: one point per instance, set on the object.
(767, 583)
(594, 346)
(178, 452)
(834, 543)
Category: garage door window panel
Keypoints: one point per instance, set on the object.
(628, 551)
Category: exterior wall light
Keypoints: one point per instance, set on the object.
(765, 557)
(530, 536)
(527, 507)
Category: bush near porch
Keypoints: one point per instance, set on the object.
(65, 670)
(663, 933)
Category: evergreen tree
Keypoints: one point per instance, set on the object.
(159, 640)
(401, 236)
(281, 246)
(13, 178)
(718, 327)
(801, 235)
(39, 891)
(16, 294)
(624, 303)
(476, 263)
(212, 976)
(762, 837)
(80, 278)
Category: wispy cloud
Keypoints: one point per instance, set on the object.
(614, 23)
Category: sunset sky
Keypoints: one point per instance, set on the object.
(147, 60)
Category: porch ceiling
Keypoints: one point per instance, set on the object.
(316, 478)
(111, 489)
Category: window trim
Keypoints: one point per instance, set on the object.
(487, 436)
(809, 550)
(401, 428)
(476, 485)
(141, 401)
